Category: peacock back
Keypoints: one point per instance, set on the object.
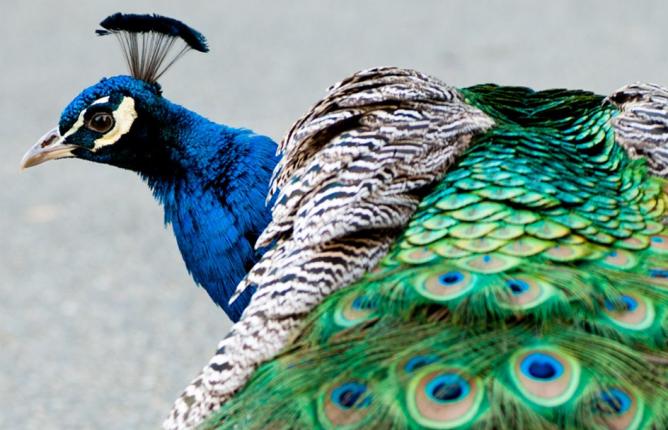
(529, 290)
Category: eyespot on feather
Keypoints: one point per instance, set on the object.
(445, 285)
(412, 363)
(631, 311)
(659, 243)
(620, 259)
(545, 376)
(488, 263)
(523, 293)
(618, 408)
(416, 255)
(440, 397)
(353, 309)
(344, 404)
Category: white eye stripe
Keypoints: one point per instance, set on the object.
(102, 100)
(76, 126)
(124, 116)
(80, 120)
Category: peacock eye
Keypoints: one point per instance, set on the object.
(101, 122)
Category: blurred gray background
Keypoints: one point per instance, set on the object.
(100, 325)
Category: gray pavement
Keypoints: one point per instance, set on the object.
(100, 325)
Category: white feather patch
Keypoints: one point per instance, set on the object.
(76, 126)
(102, 100)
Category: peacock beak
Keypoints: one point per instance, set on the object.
(51, 146)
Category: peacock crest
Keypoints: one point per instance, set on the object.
(151, 44)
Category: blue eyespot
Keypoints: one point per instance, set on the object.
(448, 387)
(362, 303)
(417, 362)
(658, 273)
(541, 367)
(450, 278)
(517, 286)
(615, 401)
(348, 395)
(630, 304)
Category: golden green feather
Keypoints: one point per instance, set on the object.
(530, 290)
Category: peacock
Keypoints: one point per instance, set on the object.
(436, 257)
(211, 179)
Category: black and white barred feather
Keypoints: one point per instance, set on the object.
(642, 126)
(352, 174)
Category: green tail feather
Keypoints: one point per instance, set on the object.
(530, 290)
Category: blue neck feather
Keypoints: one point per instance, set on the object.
(211, 179)
(216, 201)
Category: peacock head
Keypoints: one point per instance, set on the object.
(124, 120)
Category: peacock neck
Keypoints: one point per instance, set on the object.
(216, 204)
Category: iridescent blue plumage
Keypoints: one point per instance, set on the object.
(218, 213)
(211, 179)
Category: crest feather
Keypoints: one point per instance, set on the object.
(147, 41)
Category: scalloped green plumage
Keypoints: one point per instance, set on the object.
(541, 303)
